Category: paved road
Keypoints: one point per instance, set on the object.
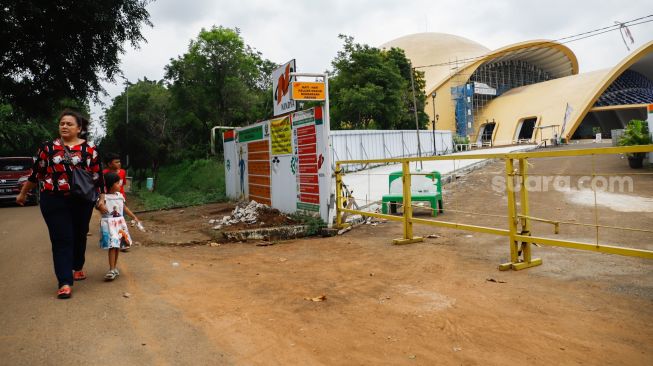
(98, 325)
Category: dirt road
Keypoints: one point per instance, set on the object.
(98, 326)
(440, 302)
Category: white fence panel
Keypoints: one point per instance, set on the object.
(386, 144)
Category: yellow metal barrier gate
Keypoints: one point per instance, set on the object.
(519, 220)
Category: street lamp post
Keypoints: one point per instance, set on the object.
(126, 118)
(433, 130)
(437, 118)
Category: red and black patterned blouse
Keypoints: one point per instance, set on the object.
(54, 170)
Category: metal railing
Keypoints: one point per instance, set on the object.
(519, 229)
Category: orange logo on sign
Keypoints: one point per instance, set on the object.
(283, 84)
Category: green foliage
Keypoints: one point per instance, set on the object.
(314, 223)
(57, 49)
(372, 89)
(155, 201)
(187, 183)
(147, 137)
(21, 135)
(19, 138)
(635, 133)
(219, 81)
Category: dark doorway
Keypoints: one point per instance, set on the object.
(526, 129)
(607, 121)
(487, 130)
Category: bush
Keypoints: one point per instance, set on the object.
(192, 182)
(315, 224)
(635, 133)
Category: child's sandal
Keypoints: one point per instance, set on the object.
(111, 275)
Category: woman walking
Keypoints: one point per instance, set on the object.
(66, 215)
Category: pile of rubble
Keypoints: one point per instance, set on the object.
(248, 214)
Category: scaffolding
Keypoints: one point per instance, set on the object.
(470, 93)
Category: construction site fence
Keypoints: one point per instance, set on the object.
(519, 232)
(366, 145)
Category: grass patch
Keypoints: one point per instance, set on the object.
(315, 224)
(188, 183)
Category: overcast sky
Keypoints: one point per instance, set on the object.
(308, 30)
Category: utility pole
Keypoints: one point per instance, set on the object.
(127, 119)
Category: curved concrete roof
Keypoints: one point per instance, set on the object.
(437, 48)
(640, 60)
(545, 101)
(441, 50)
(556, 59)
(548, 100)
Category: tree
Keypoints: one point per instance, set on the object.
(371, 88)
(19, 138)
(56, 49)
(219, 81)
(22, 136)
(146, 138)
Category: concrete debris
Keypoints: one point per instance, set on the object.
(354, 219)
(342, 231)
(247, 213)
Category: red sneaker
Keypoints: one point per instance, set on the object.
(64, 292)
(79, 275)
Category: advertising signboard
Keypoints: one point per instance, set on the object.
(281, 80)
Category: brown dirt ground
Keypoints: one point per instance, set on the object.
(190, 225)
(429, 303)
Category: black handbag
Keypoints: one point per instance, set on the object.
(81, 182)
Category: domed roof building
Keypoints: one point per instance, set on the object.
(529, 91)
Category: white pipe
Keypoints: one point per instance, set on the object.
(213, 135)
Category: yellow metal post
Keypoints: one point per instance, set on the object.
(512, 215)
(408, 209)
(338, 197)
(526, 260)
(517, 233)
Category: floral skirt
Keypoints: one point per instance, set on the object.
(114, 233)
